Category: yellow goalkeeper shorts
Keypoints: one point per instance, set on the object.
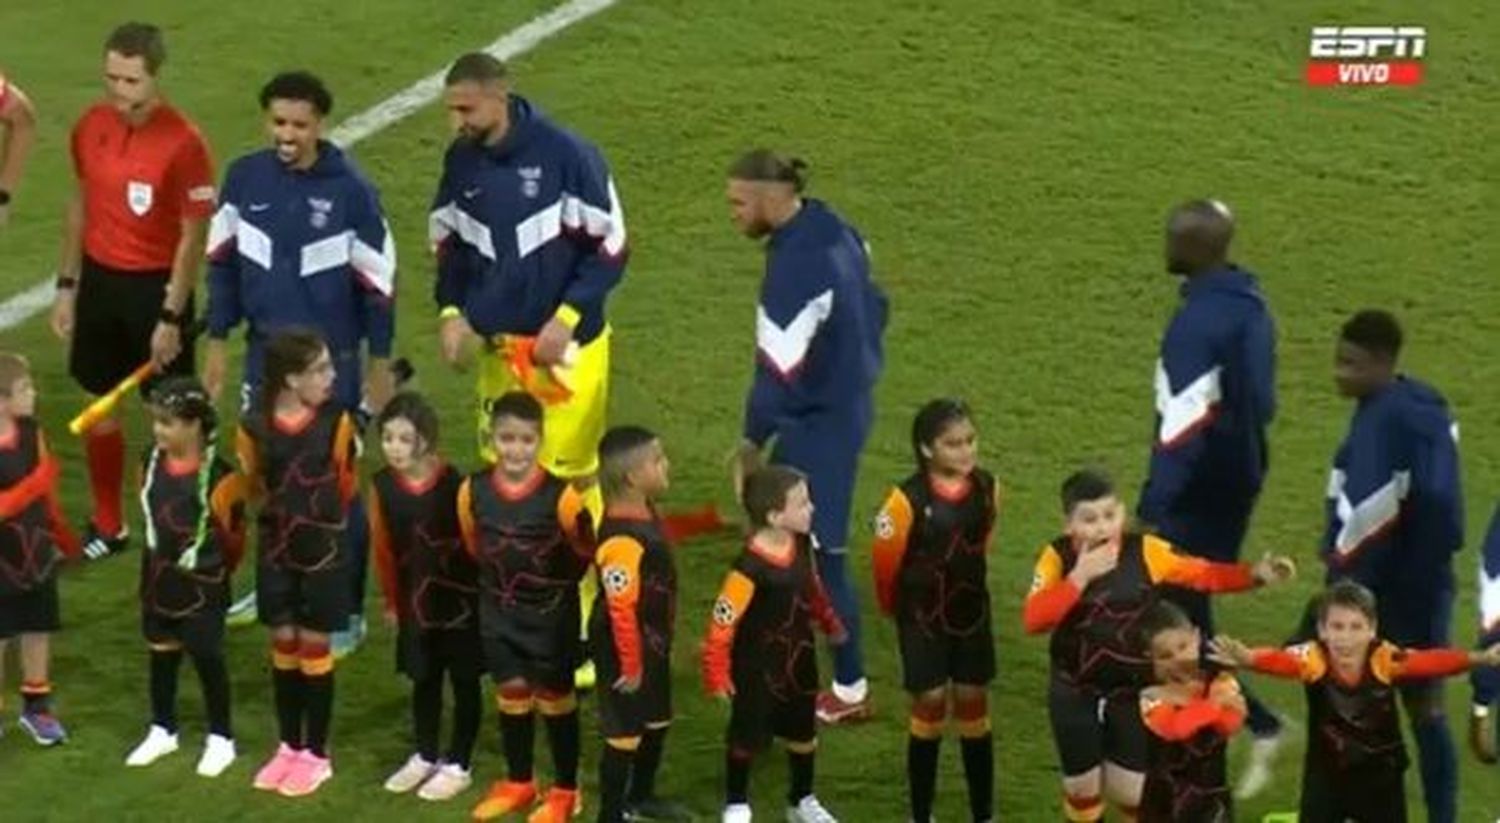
(571, 428)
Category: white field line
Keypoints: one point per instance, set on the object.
(22, 307)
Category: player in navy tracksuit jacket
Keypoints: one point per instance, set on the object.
(1215, 396)
(1395, 518)
(818, 346)
(300, 240)
(1486, 682)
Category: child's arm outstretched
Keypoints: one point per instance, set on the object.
(718, 642)
(1167, 565)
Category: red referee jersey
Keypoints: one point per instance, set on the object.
(138, 184)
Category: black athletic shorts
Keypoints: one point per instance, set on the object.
(318, 600)
(114, 316)
(506, 660)
(629, 715)
(34, 611)
(1374, 796)
(201, 634)
(756, 716)
(1089, 728)
(422, 653)
(932, 659)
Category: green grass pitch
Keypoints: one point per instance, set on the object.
(1010, 162)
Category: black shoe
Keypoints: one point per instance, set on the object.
(657, 810)
(97, 546)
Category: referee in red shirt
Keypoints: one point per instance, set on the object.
(131, 249)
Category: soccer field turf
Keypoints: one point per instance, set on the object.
(1010, 163)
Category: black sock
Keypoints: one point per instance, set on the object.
(517, 738)
(802, 776)
(288, 686)
(979, 773)
(736, 776)
(164, 688)
(213, 678)
(467, 716)
(921, 775)
(647, 764)
(427, 714)
(319, 691)
(563, 736)
(614, 777)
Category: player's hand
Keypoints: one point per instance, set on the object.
(1275, 568)
(1229, 652)
(1482, 734)
(1095, 562)
(628, 684)
(391, 620)
(1488, 657)
(743, 462)
(62, 313)
(455, 334)
(552, 343)
(166, 344)
(380, 387)
(215, 365)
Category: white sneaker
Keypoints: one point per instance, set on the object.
(1257, 776)
(158, 744)
(450, 781)
(809, 810)
(411, 775)
(737, 813)
(218, 753)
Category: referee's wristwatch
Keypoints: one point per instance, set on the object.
(175, 318)
(4, 197)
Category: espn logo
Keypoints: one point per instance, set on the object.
(1366, 55)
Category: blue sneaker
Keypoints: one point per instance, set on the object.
(43, 727)
(348, 641)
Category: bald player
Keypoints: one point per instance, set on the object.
(1215, 396)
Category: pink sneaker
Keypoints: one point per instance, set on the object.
(308, 773)
(269, 778)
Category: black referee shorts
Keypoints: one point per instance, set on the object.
(114, 316)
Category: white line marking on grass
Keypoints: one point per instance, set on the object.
(22, 307)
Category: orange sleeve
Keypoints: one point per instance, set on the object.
(619, 561)
(892, 531)
(466, 525)
(1173, 722)
(346, 452)
(1394, 665)
(1052, 594)
(1168, 566)
(577, 525)
(718, 642)
(37, 484)
(1303, 661)
(247, 452)
(63, 534)
(227, 504)
(385, 558)
(821, 604)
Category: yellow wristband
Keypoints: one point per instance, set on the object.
(568, 315)
(450, 312)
